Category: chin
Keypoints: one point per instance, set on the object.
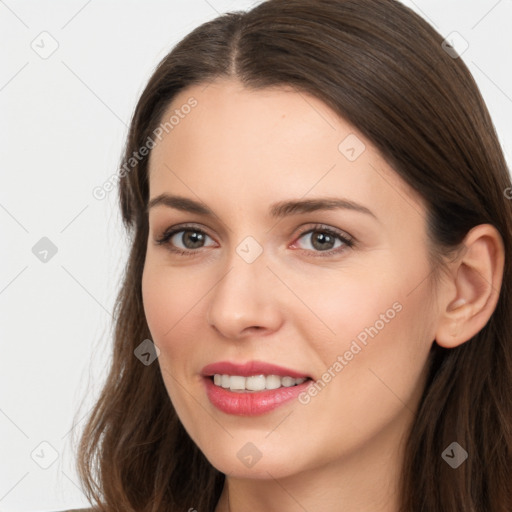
(247, 460)
(261, 470)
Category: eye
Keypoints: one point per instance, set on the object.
(184, 239)
(323, 239)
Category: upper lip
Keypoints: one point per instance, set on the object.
(249, 368)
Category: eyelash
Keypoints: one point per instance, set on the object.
(348, 241)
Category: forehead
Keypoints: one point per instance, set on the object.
(277, 142)
(262, 120)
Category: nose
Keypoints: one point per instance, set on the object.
(241, 303)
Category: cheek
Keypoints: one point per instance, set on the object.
(343, 304)
(374, 366)
(158, 303)
(373, 320)
(174, 302)
(168, 298)
(169, 301)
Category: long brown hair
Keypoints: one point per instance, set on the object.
(384, 69)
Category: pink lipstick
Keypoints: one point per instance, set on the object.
(252, 388)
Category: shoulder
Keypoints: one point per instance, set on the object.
(80, 510)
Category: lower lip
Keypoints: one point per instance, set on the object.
(251, 403)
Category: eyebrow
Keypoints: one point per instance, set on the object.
(277, 210)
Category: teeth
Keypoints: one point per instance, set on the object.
(273, 382)
(287, 381)
(255, 382)
(236, 383)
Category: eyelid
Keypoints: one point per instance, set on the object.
(325, 227)
(185, 225)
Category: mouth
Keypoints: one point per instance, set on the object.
(252, 388)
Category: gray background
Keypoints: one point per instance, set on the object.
(63, 121)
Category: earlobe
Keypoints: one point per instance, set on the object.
(476, 276)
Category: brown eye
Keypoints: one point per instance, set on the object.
(321, 239)
(190, 239)
(184, 240)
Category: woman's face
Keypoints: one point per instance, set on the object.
(275, 272)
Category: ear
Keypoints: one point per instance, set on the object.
(472, 291)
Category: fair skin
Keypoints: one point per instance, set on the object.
(238, 152)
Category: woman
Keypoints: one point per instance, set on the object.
(315, 313)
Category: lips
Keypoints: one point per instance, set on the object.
(239, 399)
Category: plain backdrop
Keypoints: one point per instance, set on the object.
(70, 75)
